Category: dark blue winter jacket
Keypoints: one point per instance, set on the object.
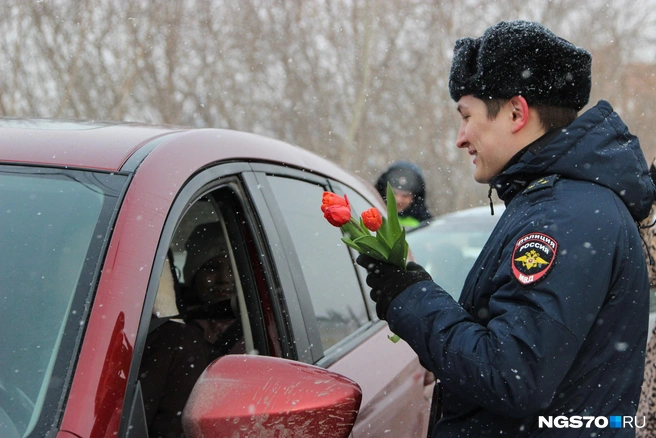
(553, 316)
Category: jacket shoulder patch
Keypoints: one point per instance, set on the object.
(533, 257)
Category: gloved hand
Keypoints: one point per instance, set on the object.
(387, 281)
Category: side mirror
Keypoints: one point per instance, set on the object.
(253, 396)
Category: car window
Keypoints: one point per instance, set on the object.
(207, 284)
(327, 266)
(207, 306)
(210, 287)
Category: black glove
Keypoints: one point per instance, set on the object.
(387, 281)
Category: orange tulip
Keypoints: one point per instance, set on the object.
(372, 219)
(336, 209)
(330, 199)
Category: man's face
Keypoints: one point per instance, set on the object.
(403, 199)
(214, 281)
(487, 140)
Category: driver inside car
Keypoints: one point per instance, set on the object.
(209, 299)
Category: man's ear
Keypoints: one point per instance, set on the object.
(520, 113)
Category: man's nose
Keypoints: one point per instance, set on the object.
(461, 141)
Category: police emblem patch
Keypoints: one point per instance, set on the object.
(533, 256)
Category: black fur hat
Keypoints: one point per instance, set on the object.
(521, 58)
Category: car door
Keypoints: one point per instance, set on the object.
(296, 293)
(343, 332)
(211, 219)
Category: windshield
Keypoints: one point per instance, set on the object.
(53, 226)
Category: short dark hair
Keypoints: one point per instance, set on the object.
(551, 117)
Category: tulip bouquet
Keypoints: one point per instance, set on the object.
(387, 245)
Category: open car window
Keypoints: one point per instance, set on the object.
(207, 304)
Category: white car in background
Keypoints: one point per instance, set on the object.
(447, 245)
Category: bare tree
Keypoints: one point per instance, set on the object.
(361, 82)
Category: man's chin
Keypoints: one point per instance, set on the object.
(482, 179)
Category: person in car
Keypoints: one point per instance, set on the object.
(175, 356)
(192, 325)
(209, 297)
(409, 188)
(214, 307)
(552, 319)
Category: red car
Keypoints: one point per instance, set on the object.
(133, 257)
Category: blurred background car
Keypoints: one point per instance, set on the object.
(447, 245)
(133, 256)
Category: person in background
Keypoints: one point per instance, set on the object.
(647, 406)
(552, 319)
(409, 190)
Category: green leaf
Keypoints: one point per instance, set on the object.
(351, 244)
(393, 228)
(363, 249)
(398, 255)
(381, 236)
(371, 244)
(382, 231)
(351, 230)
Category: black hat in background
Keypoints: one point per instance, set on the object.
(521, 58)
(403, 175)
(405, 178)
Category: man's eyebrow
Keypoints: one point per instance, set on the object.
(459, 108)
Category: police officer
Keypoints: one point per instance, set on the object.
(409, 188)
(552, 319)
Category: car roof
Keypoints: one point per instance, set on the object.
(121, 147)
(79, 144)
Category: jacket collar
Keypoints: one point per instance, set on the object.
(508, 188)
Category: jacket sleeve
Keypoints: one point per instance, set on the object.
(514, 364)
